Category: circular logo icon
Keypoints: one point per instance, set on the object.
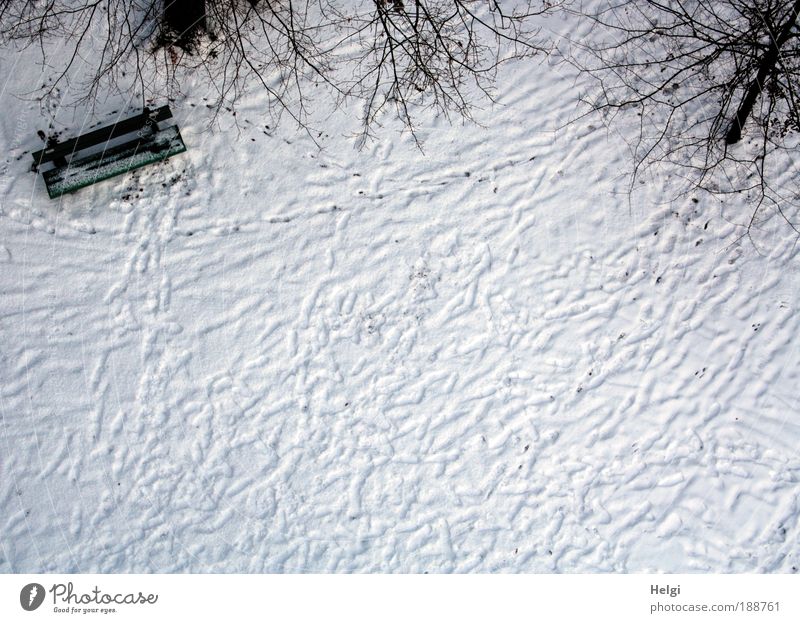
(31, 596)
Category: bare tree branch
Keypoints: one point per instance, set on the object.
(398, 54)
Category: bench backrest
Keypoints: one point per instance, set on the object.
(95, 137)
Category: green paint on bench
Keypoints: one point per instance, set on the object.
(82, 172)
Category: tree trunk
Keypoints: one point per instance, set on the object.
(765, 68)
(186, 19)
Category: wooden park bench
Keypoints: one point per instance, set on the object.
(109, 151)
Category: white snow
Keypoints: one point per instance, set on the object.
(266, 356)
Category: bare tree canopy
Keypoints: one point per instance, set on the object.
(386, 53)
(702, 75)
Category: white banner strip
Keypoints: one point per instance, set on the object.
(399, 598)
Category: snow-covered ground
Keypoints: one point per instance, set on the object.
(266, 356)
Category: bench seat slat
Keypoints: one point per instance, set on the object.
(81, 172)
